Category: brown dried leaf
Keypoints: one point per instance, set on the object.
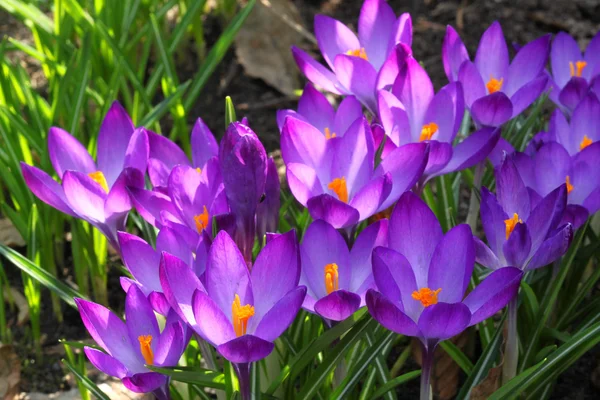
(488, 385)
(263, 44)
(9, 235)
(10, 372)
(21, 302)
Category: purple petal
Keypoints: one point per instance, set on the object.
(315, 107)
(67, 153)
(576, 215)
(214, 325)
(348, 111)
(446, 109)
(402, 32)
(485, 256)
(203, 143)
(281, 315)
(275, 272)
(138, 149)
(511, 191)
(227, 274)
(332, 210)
(303, 182)
(492, 110)
(390, 316)
(302, 143)
(493, 293)
(492, 54)
(546, 216)
(454, 53)
(552, 165)
(359, 77)
(452, 264)
(442, 320)
(338, 305)
(85, 196)
(394, 119)
(395, 279)
(113, 140)
(517, 248)
(141, 260)
(46, 188)
(552, 248)
(592, 57)
(370, 197)
(170, 345)
(492, 219)
(140, 318)
(246, 349)
(472, 83)
(584, 121)
(572, 93)
(406, 165)
(118, 201)
(440, 155)
(564, 50)
(105, 363)
(375, 24)
(527, 94)
(334, 38)
(372, 236)
(170, 241)
(414, 232)
(159, 303)
(164, 155)
(150, 204)
(144, 383)
(316, 72)
(527, 64)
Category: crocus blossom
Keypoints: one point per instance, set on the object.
(357, 65)
(130, 346)
(315, 109)
(337, 278)
(164, 154)
(422, 278)
(573, 73)
(413, 113)
(94, 191)
(239, 312)
(336, 178)
(267, 211)
(522, 232)
(495, 89)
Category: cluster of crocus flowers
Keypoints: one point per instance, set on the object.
(96, 192)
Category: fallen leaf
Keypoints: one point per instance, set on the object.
(264, 41)
(10, 372)
(488, 385)
(9, 235)
(21, 303)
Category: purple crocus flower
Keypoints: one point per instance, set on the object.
(315, 109)
(572, 71)
(551, 166)
(496, 90)
(240, 312)
(336, 178)
(520, 232)
(130, 346)
(165, 154)
(336, 278)
(422, 278)
(267, 211)
(143, 261)
(413, 113)
(94, 192)
(358, 65)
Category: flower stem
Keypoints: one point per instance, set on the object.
(243, 373)
(511, 353)
(426, 366)
(162, 392)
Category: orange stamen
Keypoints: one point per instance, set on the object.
(338, 185)
(201, 220)
(428, 131)
(577, 69)
(494, 85)
(569, 186)
(585, 142)
(145, 342)
(240, 315)
(99, 178)
(511, 224)
(358, 53)
(426, 296)
(328, 134)
(331, 278)
(199, 170)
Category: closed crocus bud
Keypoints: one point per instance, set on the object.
(267, 213)
(243, 162)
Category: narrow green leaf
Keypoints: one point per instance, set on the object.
(458, 356)
(197, 376)
(229, 112)
(402, 379)
(91, 386)
(163, 107)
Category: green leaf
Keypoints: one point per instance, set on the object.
(402, 379)
(163, 107)
(458, 356)
(198, 376)
(229, 112)
(65, 292)
(91, 386)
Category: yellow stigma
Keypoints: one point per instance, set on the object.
(201, 220)
(358, 53)
(240, 315)
(494, 85)
(199, 170)
(569, 186)
(328, 134)
(145, 342)
(428, 131)
(426, 296)
(585, 142)
(577, 69)
(99, 178)
(511, 223)
(331, 278)
(338, 185)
